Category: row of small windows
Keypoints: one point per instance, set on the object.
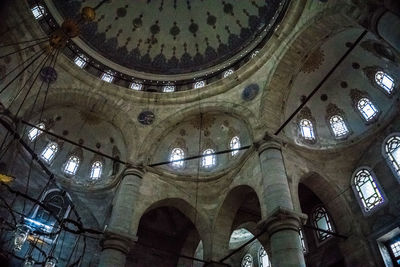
(208, 158)
(81, 61)
(365, 106)
(72, 164)
(263, 259)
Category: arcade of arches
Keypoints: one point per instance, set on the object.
(201, 133)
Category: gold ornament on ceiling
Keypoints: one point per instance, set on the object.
(313, 61)
(90, 118)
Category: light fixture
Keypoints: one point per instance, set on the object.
(29, 262)
(21, 234)
(50, 262)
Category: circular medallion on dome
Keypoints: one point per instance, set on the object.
(175, 37)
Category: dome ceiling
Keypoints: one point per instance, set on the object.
(175, 37)
(355, 76)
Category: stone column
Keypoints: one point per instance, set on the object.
(114, 250)
(282, 223)
(117, 238)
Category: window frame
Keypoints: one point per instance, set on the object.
(204, 155)
(329, 221)
(136, 86)
(378, 186)
(39, 132)
(244, 260)
(312, 128)
(92, 168)
(372, 119)
(199, 84)
(76, 168)
(50, 160)
(108, 76)
(169, 88)
(260, 255)
(379, 83)
(389, 161)
(339, 137)
(81, 58)
(41, 11)
(234, 153)
(177, 164)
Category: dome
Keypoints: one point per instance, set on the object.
(174, 39)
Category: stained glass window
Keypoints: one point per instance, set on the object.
(35, 132)
(338, 126)
(247, 261)
(395, 247)
(208, 160)
(235, 144)
(81, 61)
(307, 129)
(136, 86)
(367, 109)
(228, 72)
(199, 84)
(392, 153)
(169, 88)
(97, 168)
(72, 165)
(385, 81)
(176, 156)
(108, 76)
(49, 152)
(322, 221)
(38, 11)
(263, 258)
(367, 189)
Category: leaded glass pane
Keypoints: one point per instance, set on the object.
(263, 258)
(321, 220)
(81, 61)
(35, 132)
(95, 173)
(49, 152)
(176, 157)
(306, 129)
(38, 11)
(395, 247)
(367, 109)
(208, 159)
(168, 88)
(235, 144)
(227, 73)
(199, 84)
(392, 150)
(108, 76)
(385, 81)
(72, 165)
(247, 261)
(367, 190)
(338, 126)
(302, 240)
(136, 86)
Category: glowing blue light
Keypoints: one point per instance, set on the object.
(37, 224)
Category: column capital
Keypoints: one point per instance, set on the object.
(268, 142)
(134, 170)
(117, 241)
(282, 219)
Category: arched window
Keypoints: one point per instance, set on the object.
(385, 81)
(228, 72)
(199, 84)
(35, 132)
(367, 109)
(235, 144)
(321, 220)
(247, 261)
(38, 11)
(392, 153)
(169, 88)
(97, 168)
(81, 61)
(136, 86)
(176, 157)
(367, 190)
(263, 258)
(56, 206)
(108, 76)
(72, 165)
(49, 152)
(307, 129)
(208, 160)
(338, 126)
